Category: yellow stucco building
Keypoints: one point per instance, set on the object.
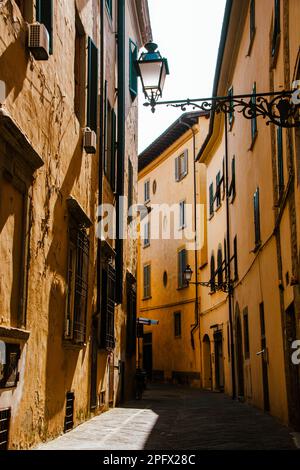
(245, 337)
(67, 95)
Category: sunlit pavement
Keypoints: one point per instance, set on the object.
(170, 417)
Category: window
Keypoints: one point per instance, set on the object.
(280, 161)
(182, 263)
(165, 278)
(220, 266)
(130, 183)
(254, 118)
(154, 186)
(218, 190)
(211, 199)
(5, 415)
(107, 327)
(69, 417)
(246, 334)
(146, 234)
(252, 21)
(235, 258)
(109, 6)
(228, 342)
(212, 274)
(147, 281)
(231, 111)
(44, 15)
(256, 217)
(9, 359)
(177, 324)
(110, 145)
(131, 326)
(79, 70)
(232, 183)
(133, 80)
(181, 166)
(92, 86)
(77, 288)
(147, 191)
(276, 28)
(182, 215)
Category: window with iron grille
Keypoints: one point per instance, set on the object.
(69, 417)
(131, 315)
(147, 281)
(78, 263)
(182, 263)
(4, 428)
(107, 332)
(177, 324)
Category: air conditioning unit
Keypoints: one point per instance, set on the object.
(38, 41)
(89, 140)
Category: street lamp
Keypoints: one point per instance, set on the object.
(279, 108)
(224, 286)
(152, 68)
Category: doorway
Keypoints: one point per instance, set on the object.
(207, 382)
(293, 374)
(147, 354)
(219, 364)
(264, 358)
(239, 357)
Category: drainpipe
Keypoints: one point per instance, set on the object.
(196, 324)
(228, 244)
(120, 150)
(101, 154)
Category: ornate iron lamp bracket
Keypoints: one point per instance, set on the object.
(277, 108)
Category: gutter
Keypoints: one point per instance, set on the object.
(223, 39)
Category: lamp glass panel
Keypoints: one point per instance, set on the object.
(150, 73)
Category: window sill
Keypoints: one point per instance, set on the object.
(14, 333)
(254, 138)
(147, 298)
(69, 344)
(146, 246)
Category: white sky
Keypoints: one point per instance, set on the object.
(187, 33)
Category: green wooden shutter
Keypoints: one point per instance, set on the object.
(232, 184)
(218, 189)
(276, 28)
(185, 159)
(211, 199)
(92, 95)
(256, 216)
(133, 80)
(44, 15)
(280, 160)
(254, 119)
(252, 19)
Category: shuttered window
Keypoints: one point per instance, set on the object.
(107, 331)
(256, 217)
(254, 119)
(212, 274)
(246, 334)
(110, 141)
(147, 281)
(211, 199)
(276, 27)
(182, 215)
(220, 266)
(109, 6)
(146, 234)
(182, 263)
(218, 189)
(133, 79)
(181, 166)
(130, 183)
(235, 258)
(280, 161)
(92, 86)
(147, 191)
(177, 324)
(44, 15)
(232, 183)
(231, 109)
(252, 20)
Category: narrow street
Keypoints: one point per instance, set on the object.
(170, 417)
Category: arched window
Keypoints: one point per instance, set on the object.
(220, 266)
(212, 274)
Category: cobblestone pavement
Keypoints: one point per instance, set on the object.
(170, 417)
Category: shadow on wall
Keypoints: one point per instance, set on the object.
(14, 64)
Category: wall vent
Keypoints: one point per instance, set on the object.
(89, 140)
(38, 41)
